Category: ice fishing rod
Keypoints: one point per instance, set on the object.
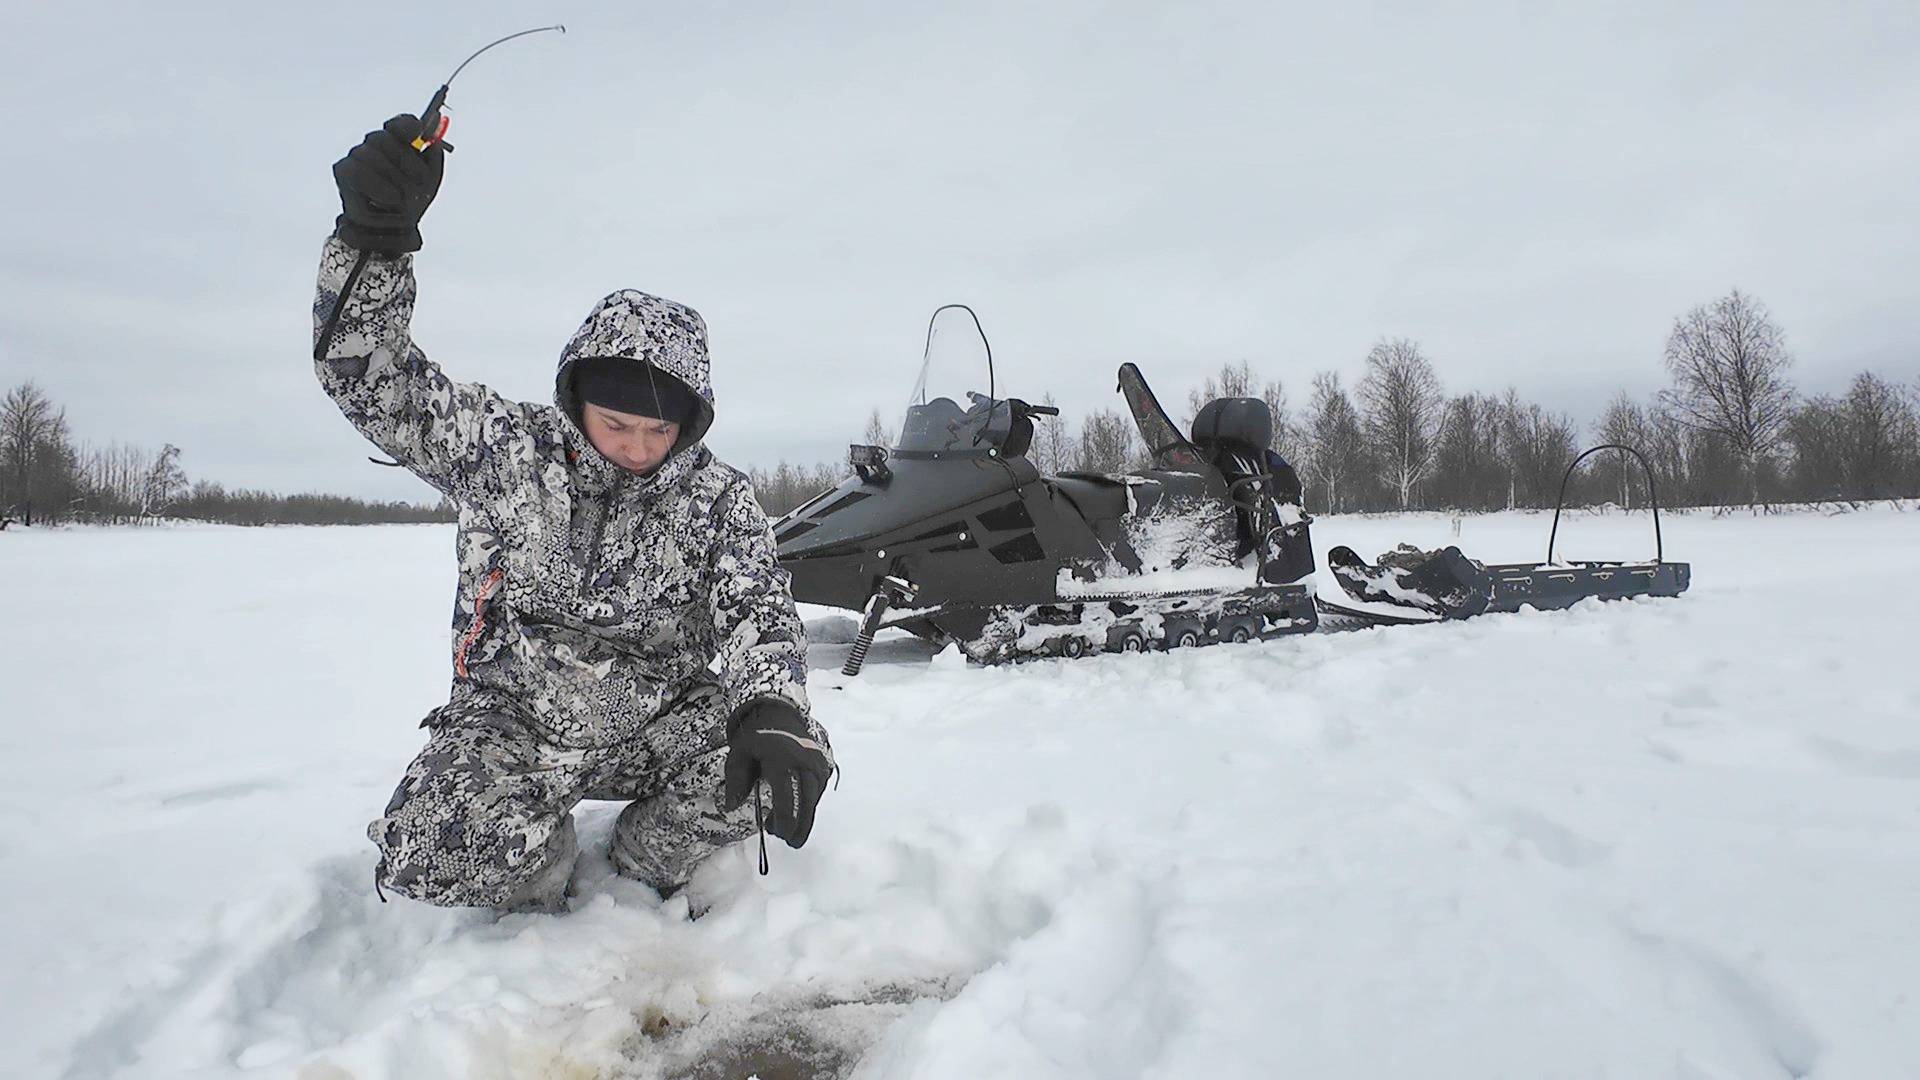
(433, 132)
(434, 120)
(434, 123)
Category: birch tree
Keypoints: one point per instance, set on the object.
(1401, 401)
(1729, 362)
(1335, 447)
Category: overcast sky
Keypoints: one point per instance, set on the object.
(1532, 195)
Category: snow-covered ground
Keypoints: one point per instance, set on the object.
(1651, 839)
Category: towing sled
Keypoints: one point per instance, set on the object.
(1409, 585)
(954, 535)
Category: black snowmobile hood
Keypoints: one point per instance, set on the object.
(857, 512)
(668, 337)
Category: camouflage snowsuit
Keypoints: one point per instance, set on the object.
(607, 627)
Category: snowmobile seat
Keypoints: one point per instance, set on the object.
(1104, 503)
(1095, 497)
(1242, 426)
(1233, 433)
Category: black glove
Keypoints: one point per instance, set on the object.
(771, 741)
(385, 187)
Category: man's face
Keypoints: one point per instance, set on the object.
(635, 443)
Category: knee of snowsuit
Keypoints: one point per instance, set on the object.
(481, 810)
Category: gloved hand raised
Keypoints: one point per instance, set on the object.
(771, 741)
(385, 187)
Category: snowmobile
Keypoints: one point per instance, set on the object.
(954, 535)
(1408, 585)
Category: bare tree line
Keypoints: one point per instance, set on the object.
(1729, 429)
(46, 478)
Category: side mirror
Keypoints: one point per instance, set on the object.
(869, 463)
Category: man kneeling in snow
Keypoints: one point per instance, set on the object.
(622, 630)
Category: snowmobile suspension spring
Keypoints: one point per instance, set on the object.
(859, 654)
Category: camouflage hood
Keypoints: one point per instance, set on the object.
(668, 337)
(592, 602)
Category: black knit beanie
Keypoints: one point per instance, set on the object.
(631, 386)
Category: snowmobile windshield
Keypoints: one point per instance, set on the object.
(952, 412)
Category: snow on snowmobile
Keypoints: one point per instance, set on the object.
(1408, 585)
(952, 534)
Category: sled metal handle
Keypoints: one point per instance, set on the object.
(1653, 497)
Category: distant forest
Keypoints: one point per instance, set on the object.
(1730, 429)
(46, 478)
